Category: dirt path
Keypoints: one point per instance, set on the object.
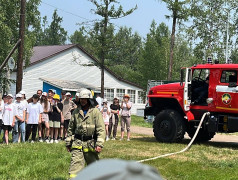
(217, 137)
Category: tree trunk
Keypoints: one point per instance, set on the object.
(103, 52)
(21, 48)
(172, 46)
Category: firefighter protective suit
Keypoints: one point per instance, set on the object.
(85, 132)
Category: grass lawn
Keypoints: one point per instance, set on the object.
(51, 161)
(139, 121)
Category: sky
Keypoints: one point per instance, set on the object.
(78, 11)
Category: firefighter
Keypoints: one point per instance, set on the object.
(86, 134)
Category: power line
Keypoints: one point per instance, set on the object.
(88, 20)
(66, 11)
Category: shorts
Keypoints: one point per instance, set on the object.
(106, 123)
(54, 124)
(7, 127)
(66, 123)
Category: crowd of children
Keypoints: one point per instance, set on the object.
(49, 116)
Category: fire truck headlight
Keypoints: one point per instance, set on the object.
(209, 100)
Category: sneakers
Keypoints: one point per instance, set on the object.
(107, 138)
(113, 139)
(121, 139)
(47, 141)
(32, 141)
(56, 141)
(128, 139)
(51, 141)
(40, 139)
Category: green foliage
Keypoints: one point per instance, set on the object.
(54, 34)
(9, 30)
(155, 54)
(209, 26)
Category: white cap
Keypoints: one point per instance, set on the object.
(19, 95)
(115, 169)
(77, 94)
(22, 92)
(68, 94)
(10, 95)
(44, 94)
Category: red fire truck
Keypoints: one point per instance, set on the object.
(178, 107)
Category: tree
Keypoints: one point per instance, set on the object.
(210, 23)
(107, 10)
(79, 37)
(180, 12)
(54, 34)
(9, 29)
(155, 54)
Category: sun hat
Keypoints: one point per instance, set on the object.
(19, 95)
(10, 95)
(44, 94)
(56, 96)
(22, 92)
(126, 95)
(68, 94)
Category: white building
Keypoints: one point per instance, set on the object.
(73, 63)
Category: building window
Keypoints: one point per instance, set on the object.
(132, 94)
(120, 93)
(140, 99)
(109, 94)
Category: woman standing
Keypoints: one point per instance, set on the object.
(126, 116)
(34, 112)
(45, 118)
(56, 118)
(113, 121)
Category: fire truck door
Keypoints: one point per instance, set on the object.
(187, 88)
(227, 92)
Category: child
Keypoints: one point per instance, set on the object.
(34, 112)
(8, 116)
(56, 118)
(20, 119)
(105, 114)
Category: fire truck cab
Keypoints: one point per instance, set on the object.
(178, 107)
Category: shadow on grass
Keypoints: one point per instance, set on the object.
(232, 145)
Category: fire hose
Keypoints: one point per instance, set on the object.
(183, 150)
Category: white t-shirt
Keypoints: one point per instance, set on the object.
(25, 103)
(1, 111)
(34, 111)
(125, 111)
(8, 114)
(19, 109)
(99, 101)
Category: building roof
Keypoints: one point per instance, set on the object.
(64, 85)
(41, 53)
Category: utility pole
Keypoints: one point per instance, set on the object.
(21, 48)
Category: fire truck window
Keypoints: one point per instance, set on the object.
(229, 76)
(201, 74)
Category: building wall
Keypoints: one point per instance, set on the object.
(72, 65)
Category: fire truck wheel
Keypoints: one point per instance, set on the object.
(169, 126)
(203, 135)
